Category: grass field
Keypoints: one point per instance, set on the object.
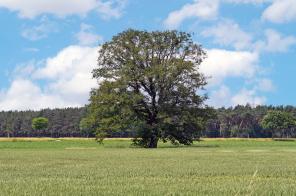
(83, 167)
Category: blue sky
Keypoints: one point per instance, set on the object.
(49, 47)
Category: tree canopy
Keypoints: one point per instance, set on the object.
(39, 123)
(280, 121)
(150, 82)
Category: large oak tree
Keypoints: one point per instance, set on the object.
(150, 82)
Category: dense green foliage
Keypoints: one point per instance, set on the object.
(39, 124)
(279, 122)
(149, 83)
(83, 167)
(86, 127)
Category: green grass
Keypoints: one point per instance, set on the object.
(210, 167)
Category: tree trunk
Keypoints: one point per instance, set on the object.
(153, 142)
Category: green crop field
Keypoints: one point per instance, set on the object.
(83, 167)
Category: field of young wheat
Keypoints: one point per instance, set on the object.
(210, 167)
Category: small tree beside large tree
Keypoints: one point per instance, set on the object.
(150, 83)
(39, 124)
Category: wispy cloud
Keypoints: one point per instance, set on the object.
(86, 36)
(40, 31)
(229, 33)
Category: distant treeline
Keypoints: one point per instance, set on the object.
(245, 121)
(239, 121)
(62, 123)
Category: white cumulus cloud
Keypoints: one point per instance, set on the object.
(23, 94)
(203, 9)
(280, 11)
(69, 73)
(246, 96)
(224, 64)
(224, 97)
(221, 64)
(220, 97)
(66, 78)
(62, 8)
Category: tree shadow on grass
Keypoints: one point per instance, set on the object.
(161, 146)
(190, 146)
